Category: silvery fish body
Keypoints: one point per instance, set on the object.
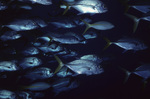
(43, 2)
(142, 8)
(90, 35)
(51, 48)
(147, 18)
(64, 84)
(42, 41)
(131, 44)
(30, 51)
(90, 6)
(30, 62)
(102, 25)
(64, 24)
(3, 6)
(8, 66)
(38, 86)
(6, 94)
(39, 73)
(25, 24)
(143, 71)
(67, 38)
(24, 95)
(64, 72)
(10, 35)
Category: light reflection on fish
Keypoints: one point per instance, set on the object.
(86, 6)
(6, 94)
(8, 66)
(128, 44)
(39, 73)
(30, 62)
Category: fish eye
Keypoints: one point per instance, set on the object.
(104, 6)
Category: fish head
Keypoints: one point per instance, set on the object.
(101, 7)
(90, 35)
(48, 73)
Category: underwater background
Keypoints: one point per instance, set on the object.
(107, 85)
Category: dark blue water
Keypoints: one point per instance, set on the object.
(108, 85)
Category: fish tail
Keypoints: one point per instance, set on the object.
(60, 64)
(67, 7)
(136, 21)
(108, 43)
(87, 26)
(127, 74)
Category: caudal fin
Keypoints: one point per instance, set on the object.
(87, 26)
(108, 43)
(136, 21)
(67, 7)
(60, 64)
(127, 74)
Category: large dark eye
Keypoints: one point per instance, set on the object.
(104, 6)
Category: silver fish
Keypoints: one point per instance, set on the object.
(67, 38)
(39, 73)
(142, 8)
(51, 48)
(25, 24)
(10, 35)
(6, 94)
(86, 65)
(90, 35)
(86, 6)
(64, 84)
(128, 44)
(30, 62)
(43, 2)
(38, 86)
(64, 72)
(3, 6)
(30, 51)
(8, 66)
(100, 25)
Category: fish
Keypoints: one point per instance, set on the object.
(85, 6)
(142, 71)
(90, 35)
(67, 38)
(42, 41)
(3, 6)
(43, 2)
(64, 23)
(87, 65)
(8, 66)
(52, 48)
(25, 24)
(64, 84)
(137, 20)
(30, 62)
(10, 35)
(29, 51)
(142, 8)
(128, 44)
(39, 73)
(24, 95)
(38, 86)
(64, 72)
(6, 94)
(100, 25)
